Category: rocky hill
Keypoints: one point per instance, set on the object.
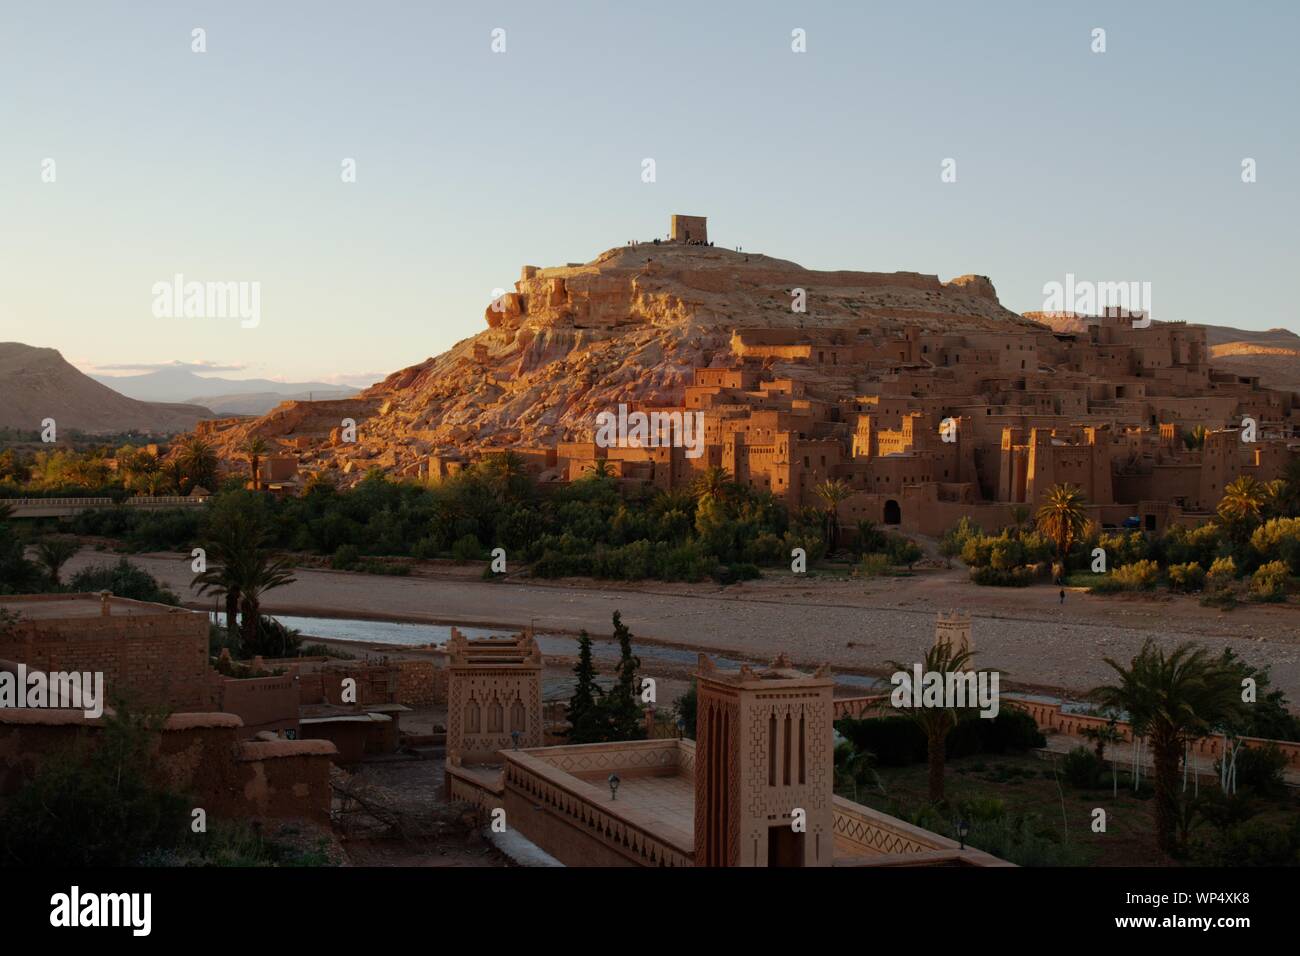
(629, 326)
(1272, 355)
(37, 383)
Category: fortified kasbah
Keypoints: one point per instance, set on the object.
(929, 399)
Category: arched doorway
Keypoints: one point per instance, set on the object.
(893, 513)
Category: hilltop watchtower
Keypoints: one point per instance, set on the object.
(691, 229)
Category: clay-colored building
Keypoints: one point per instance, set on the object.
(928, 427)
(494, 696)
(755, 789)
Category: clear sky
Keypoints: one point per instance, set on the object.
(225, 165)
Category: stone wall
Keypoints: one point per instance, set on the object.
(421, 684)
(201, 755)
(155, 654)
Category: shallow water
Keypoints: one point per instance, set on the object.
(603, 649)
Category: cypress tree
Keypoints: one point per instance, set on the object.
(583, 707)
(622, 704)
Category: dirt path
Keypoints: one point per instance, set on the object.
(1024, 632)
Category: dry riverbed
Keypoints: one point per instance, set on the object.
(854, 625)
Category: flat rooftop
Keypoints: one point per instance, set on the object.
(669, 798)
(51, 607)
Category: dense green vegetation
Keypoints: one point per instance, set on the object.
(718, 529)
(1250, 550)
(102, 470)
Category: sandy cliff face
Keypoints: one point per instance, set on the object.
(629, 326)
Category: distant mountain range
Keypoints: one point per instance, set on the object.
(37, 383)
(225, 396)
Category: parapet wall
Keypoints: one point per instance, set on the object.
(1051, 719)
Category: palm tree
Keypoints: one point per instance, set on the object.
(153, 483)
(53, 554)
(197, 462)
(1195, 438)
(832, 491)
(507, 474)
(672, 500)
(231, 543)
(1289, 500)
(937, 722)
(1062, 517)
(713, 482)
(254, 448)
(256, 575)
(1171, 700)
(601, 469)
(1243, 500)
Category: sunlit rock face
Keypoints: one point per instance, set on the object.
(629, 326)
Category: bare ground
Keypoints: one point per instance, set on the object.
(854, 625)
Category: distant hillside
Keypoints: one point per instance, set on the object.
(37, 383)
(630, 326)
(259, 403)
(226, 396)
(1272, 355)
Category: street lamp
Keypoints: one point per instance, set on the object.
(613, 786)
(963, 828)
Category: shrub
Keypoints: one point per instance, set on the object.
(1269, 582)
(95, 804)
(1262, 769)
(903, 550)
(345, 557)
(125, 580)
(466, 548)
(731, 573)
(1012, 730)
(1186, 578)
(1221, 574)
(873, 565)
(1081, 768)
(686, 562)
(1015, 578)
(895, 741)
(1138, 576)
(978, 809)
(426, 548)
(1278, 539)
(1255, 842)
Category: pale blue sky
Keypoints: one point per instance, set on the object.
(225, 165)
